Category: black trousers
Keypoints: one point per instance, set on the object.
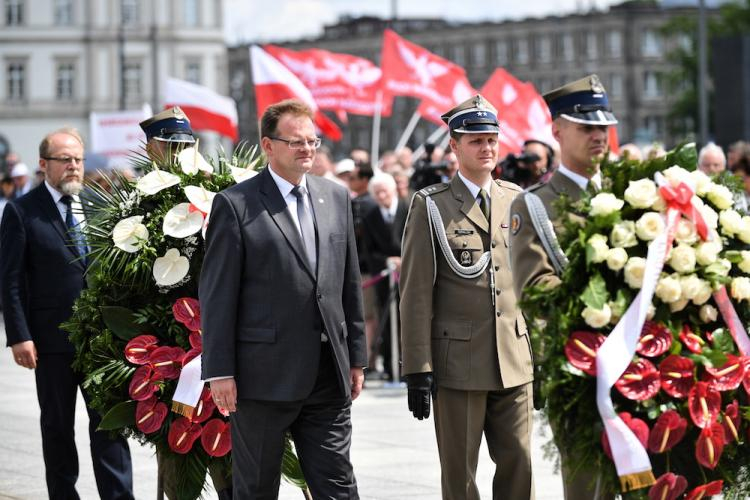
(56, 388)
(321, 428)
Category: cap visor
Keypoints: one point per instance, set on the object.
(597, 117)
(187, 138)
(477, 129)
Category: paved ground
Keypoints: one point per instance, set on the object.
(394, 455)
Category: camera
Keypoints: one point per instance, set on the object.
(427, 173)
(514, 168)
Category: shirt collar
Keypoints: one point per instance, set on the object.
(285, 187)
(57, 195)
(579, 179)
(473, 188)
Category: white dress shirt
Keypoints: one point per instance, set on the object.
(474, 189)
(63, 208)
(582, 181)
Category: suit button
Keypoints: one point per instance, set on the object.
(320, 295)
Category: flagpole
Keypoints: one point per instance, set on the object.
(437, 134)
(444, 142)
(407, 131)
(375, 146)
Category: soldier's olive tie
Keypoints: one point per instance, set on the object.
(591, 188)
(484, 204)
(306, 224)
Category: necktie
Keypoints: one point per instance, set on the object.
(76, 236)
(306, 224)
(591, 188)
(484, 204)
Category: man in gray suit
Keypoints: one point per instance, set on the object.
(281, 303)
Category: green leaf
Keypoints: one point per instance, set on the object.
(595, 295)
(290, 467)
(723, 340)
(121, 415)
(122, 322)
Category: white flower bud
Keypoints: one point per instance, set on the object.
(668, 289)
(598, 243)
(682, 259)
(623, 234)
(641, 193)
(708, 313)
(633, 272)
(616, 258)
(605, 204)
(597, 318)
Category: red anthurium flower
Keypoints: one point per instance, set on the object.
(704, 404)
(581, 350)
(217, 437)
(728, 376)
(138, 349)
(656, 339)
(746, 375)
(731, 422)
(150, 414)
(676, 375)
(690, 340)
(640, 381)
(144, 383)
(187, 311)
(196, 340)
(182, 435)
(167, 361)
(205, 407)
(668, 430)
(190, 355)
(710, 445)
(638, 426)
(668, 487)
(705, 490)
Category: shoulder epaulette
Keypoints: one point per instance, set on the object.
(536, 186)
(435, 188)
(508, 185)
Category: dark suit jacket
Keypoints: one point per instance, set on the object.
(382, 239)
(41, 276)
(261, 304)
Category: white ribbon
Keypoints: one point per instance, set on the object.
(189, 388)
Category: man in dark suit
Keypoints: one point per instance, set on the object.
(42, 266)
(382, 228)
(281, 308)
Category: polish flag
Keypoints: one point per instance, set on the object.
(274, 82)
(206, 109)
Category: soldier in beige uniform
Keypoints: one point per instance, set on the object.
(463, 341)
(581, 119)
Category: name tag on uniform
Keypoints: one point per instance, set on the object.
(463, 232)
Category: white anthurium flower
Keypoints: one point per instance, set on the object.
(130, 234)
(192, 162)
(170, 268)
(181, 222)
(200, 197)
(156, 180)
(242, 174)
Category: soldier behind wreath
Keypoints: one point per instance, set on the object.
(464, 343)
(581, 119)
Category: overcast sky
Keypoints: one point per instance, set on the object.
(283, 20)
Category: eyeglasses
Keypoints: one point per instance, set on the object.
(65, 159)
(299, 144)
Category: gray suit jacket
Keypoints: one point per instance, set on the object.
(261, 304)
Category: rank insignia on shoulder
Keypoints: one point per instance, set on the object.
(515, 223)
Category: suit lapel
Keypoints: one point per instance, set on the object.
(469, 206)
(277, 209)
(47, 205)
(564, 184)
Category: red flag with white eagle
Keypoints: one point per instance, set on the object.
(521, 111)
(411, 70)
(206, 109)
(274, 82)
(338, 82)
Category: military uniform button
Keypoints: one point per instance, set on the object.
(497, 292)
(497, 268)
(499, 313)
(494, 244)
(466, 244)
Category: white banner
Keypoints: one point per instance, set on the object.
(117, 134)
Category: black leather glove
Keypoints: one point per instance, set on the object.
(420, 387)
(539, 399)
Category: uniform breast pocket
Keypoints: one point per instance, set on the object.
(466, 248)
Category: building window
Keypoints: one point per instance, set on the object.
(614, 44)
(543, 48)
(63, 12)
(13, 12)
(501, 52)
(129, 12)
(522, 51)
(651, 85)
(567, 48)
(685, 42)
(192, 8)
(459, 55)
(478, 54)
(615, 86)
(650, 44)
(16, 72)
(543, 85)
(654, 125)
(65, 85)
(591, 48)
(132, 79)
(193, 71)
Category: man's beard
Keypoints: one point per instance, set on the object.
(71, 188)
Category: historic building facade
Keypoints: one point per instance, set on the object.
(623, 45)
(62, 59)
